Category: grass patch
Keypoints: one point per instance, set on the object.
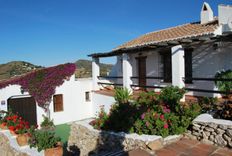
(63, 131)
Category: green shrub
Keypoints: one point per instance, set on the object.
(149, 114)
(47, 123)
(224, 85)
(147, 99)
(171, 96)
(43, 140)
(101, 119)
(207, 104)
(122, 95)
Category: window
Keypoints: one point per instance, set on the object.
(58, 102)
(87, 96)
(188, 65)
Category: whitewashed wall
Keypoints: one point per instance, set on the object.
(104, 101)
(74, 104)
(206, 62)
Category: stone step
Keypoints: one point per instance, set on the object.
(24, 149)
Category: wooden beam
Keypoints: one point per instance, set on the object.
(204, 38)
(173, 43)
(186, 41)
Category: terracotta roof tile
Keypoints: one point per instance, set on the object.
(174, 33)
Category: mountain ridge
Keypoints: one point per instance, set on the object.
(16, 68)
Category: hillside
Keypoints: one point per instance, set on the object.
(84, 68)
(15, 68)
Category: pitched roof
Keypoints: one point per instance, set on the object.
(174, 33)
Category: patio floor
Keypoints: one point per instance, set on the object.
(186, 147)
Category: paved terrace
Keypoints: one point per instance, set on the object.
(185, 147)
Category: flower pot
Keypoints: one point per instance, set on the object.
(3, 126)
(22, 139)
(56, 151)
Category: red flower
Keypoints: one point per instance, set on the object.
(161, 116)
(166, 126)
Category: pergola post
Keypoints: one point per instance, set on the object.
(95, 72)
(178, 67)
(127, 72)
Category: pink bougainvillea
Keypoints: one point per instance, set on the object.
(41, 84)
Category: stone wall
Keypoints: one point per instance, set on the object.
(213, 131)
(6, 149)
(85, 140)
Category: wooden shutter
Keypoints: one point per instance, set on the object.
(142, 72)
(188, 65)
(58, 102)
(167, 62)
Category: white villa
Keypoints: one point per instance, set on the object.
(187, 56)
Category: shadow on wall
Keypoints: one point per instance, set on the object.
(106, 146)
(109, 146)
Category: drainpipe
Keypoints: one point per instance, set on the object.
(178, 67)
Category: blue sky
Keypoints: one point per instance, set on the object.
(50, 32)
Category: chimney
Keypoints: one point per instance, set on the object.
(225, 17)
(206, 13)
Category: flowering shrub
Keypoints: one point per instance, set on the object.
(150, 114)
(101, 119)
(41, 84)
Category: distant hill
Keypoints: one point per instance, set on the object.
(84, 68)
(16, 68)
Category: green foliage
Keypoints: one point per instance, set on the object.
(171, 96)
(148, 99)
(149, 114)
(224, 85)
(101, 119)
(43, 140)
(122, 95)
(207, 104)
(47, 123)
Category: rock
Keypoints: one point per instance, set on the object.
(211, 137)
(209, 129)
(213, 125)
(220, 141)
(227, 138)
(196, 133)
(229, 133)
(155, 145)
(196, 128)
(224, 127)
(6, 149)
(220, 131)
(206, 141)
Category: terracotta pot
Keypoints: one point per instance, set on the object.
(22, 139)
(56, 151)
(2, 126)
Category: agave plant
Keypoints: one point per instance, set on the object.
(122, 95)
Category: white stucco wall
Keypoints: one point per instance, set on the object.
(74, 104)
(104, 101)
(206, 62)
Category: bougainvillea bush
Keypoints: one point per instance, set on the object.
(41, 84)
(150, 114)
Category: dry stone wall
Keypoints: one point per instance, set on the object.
(85, 140)
(213, 131)
(6, 149)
